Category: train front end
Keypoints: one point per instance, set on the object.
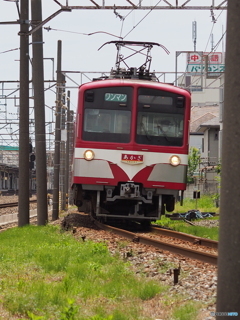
(131, 148)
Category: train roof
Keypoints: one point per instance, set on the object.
(141, 83)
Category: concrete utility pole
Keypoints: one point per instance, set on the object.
(63, 146)
(23, 200)
(228, 291)
(71, 147)
(39, 112)
(55, 211)
(67, 155)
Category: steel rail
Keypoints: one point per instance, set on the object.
(186, 237)
(186, 252)
(13, 204)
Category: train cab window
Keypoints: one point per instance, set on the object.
(159, 120)
(107, 118)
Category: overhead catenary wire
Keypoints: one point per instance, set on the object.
(142, 18)
(124, 18)
(82, 33)
(213, 22)
(9, 50)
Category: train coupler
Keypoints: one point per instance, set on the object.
(129, 190)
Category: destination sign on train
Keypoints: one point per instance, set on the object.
(116, 97)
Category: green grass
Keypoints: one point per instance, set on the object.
(187, 311)
(205, 204)
(182, 226)
(46, 274)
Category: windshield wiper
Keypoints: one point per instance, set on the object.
(163, 133)
(145, 131)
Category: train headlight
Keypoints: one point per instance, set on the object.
(89, 155)
(175, 161)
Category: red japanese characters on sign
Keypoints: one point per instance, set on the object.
(196, 58)
(132, 158)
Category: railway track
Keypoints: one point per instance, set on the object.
(13, 204)
(9, 213)
(186, 237)
(173, 248)
(177, 249)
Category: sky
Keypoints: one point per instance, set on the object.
(170, 28)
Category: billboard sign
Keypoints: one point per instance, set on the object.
(196, 62)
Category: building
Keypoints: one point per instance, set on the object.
(9, 169)
(204, 77)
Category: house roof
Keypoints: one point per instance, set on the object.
(201, 114)
(213, 123)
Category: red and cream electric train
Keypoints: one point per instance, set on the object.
(131, 145)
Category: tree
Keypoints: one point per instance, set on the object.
(193, 163)
(216, 196)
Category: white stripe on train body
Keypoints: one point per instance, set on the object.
(100, 168)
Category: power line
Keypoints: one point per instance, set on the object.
(142, 19)
(214, 21)
(124, 18)
(84, 34)
(9, 50)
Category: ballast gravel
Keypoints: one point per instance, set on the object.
(197, 281)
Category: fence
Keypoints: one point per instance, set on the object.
(209, 187)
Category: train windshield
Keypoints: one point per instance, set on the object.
(160, 118)
(107, 114)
